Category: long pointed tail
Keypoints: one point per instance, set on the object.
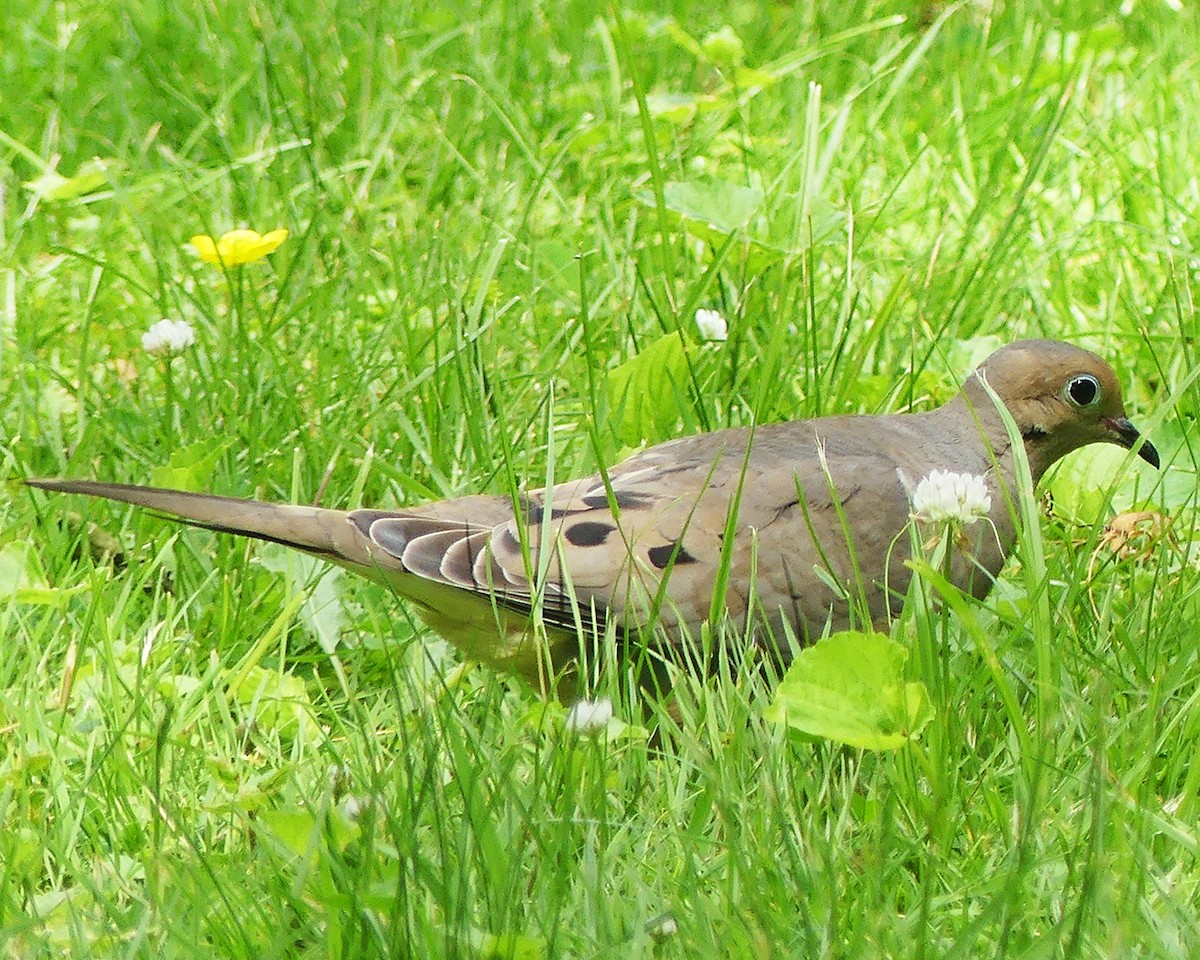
(312, 529)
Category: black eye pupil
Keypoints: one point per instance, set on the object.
(1084, 391)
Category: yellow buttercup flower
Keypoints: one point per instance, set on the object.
(237, 246)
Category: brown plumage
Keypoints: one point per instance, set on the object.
(775, 515)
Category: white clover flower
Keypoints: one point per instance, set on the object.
(588, 716)
(353, 807)
(662, 927)
(168, 337)
(712, 325)
(945, 496)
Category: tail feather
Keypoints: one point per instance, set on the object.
(492, 628)
(312, 529)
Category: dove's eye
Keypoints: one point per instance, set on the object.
(1083, 390)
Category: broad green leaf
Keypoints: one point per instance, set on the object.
(505, 946)
(1174, 488)
(278, 702)
(684, 39)
(190, 467)
(850, 687)
(21, 578)
(322, 613)
(1089, 484)
(718, 203)
(749, 78)
(644, 391)
(53, 186)
(298, 832)
(24, 853)
(678, 108)
(1081, 482)
(724, 47)
(293, 830)
(712, 209)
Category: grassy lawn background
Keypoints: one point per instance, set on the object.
(495, 210)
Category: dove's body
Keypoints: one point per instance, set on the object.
(647, 545)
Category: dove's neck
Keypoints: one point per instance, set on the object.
(973, 415)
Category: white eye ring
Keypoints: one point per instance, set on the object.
(1083, 391)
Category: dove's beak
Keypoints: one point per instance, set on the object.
(1127, 435)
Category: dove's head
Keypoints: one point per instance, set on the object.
(1062, 397)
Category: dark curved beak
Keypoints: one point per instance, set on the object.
(1127, 435)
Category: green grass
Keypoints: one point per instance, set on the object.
(493, 207)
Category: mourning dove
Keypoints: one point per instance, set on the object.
(782, 527)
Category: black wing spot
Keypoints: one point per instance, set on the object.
(588, 533)
(661, 556)
(624, 499)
